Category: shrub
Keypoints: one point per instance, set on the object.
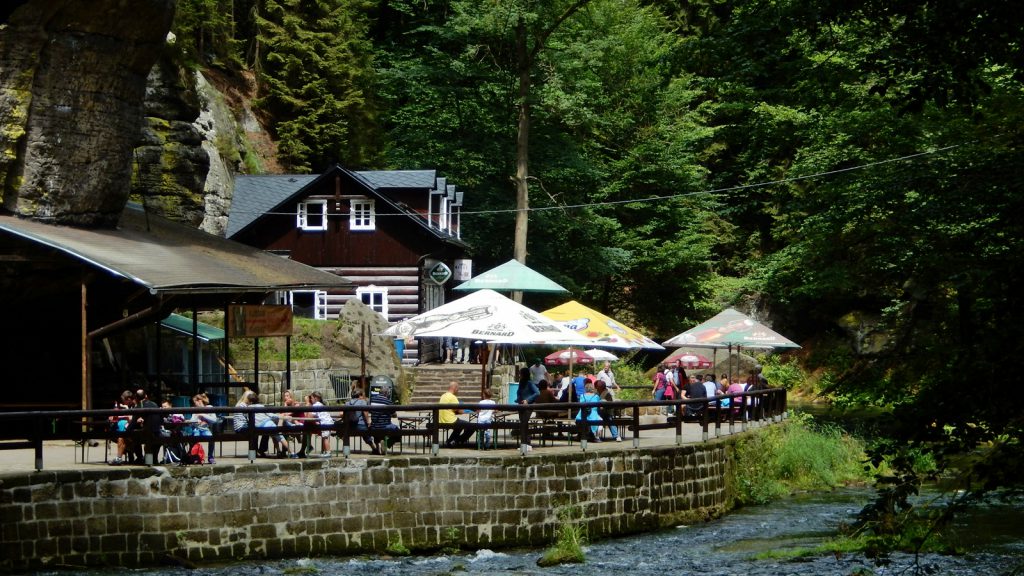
(572, 536)
(797, 455)
(784, 372)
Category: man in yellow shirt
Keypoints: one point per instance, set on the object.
(461, 430)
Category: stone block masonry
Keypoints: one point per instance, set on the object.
(275, 509)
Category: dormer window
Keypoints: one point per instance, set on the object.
(361, 215)
(312, 215)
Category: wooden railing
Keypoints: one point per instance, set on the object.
(82, 426)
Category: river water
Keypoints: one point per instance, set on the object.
(994, 533)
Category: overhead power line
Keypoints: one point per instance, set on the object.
(724, 190)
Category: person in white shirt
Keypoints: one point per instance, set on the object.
(325, 419)
(608, 377)
(485, 417)
(538, 372)
(711, 387)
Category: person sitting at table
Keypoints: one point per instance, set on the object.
(606, 414)
(202, 425)
(485, 416)
(546, 396)
(362, 419)
(325, 421)
(563, 381)
(263, 420)
(297, 420)
(381, 419)
(710, 387)
(150, 424)
(590, 414)
(122, 424)
(173, 427)
(695, 389)
(461, 430)
(736, 387)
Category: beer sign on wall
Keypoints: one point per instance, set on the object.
(440, 273)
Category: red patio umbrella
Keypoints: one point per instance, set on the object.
(568, 357)
(689, 360)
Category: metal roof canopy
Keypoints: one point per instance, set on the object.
(171, 258)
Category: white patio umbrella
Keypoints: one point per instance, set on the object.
(601, 355)
(488, 316)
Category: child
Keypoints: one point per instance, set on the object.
(486, 417)
(325, 419)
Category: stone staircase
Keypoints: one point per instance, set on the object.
(432, 381)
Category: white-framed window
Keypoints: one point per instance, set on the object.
(361, 215)
(307, 303)
(375, 297)
(312, 215)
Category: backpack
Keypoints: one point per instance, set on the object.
(197, 455)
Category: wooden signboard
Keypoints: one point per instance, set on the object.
(253, 321)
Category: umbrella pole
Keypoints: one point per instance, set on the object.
(484, 354)
(730, 362)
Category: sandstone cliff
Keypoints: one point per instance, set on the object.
(71, 92)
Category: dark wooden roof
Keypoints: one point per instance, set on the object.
(255, 196)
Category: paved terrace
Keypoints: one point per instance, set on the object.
(67, 455)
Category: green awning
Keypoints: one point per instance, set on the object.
(183, 324)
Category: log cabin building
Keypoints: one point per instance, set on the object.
(395, 234)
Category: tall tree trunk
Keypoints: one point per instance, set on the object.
(522, 144)
(522, 150)
(525, 58)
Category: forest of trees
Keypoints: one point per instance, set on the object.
(817, 160)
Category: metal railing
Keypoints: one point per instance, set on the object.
(35, 427)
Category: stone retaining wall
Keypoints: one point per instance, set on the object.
(142, 516)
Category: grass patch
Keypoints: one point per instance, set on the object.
(572, 536)
(796, 456)
(841, 545)
(306, 339)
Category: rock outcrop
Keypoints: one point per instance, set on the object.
(71, 92)
(358, 334)
(171, 165)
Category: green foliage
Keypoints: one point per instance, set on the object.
(817, 160)
(396, 547)
(306, 342)
(797, 455)
(451, 540)
(627, 374)
(315, 64)
(784, 372)
(571, 537)
(205, 32)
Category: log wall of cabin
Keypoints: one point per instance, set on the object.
(402, 284)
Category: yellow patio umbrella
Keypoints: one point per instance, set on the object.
(602, 331)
